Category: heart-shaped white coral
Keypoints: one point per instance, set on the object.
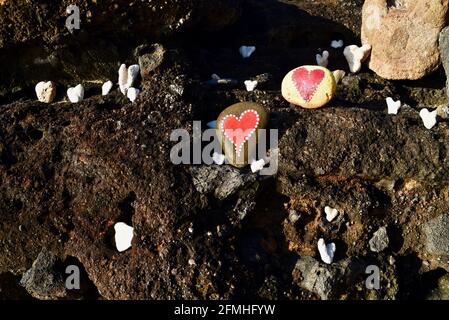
(247, 51)
(429, 118)
(76, 94)
(356, 55)
(331, 213)
(393, 106)
(337, 44)
(323, 59)
(257, 165)
(250, 85)
(218, 158)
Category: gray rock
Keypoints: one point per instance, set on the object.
(437, 235)
(222, 181)
(379, 242)
(150, 58)
(42, 280)
(441, 292)
(444, 53)
(327, 281)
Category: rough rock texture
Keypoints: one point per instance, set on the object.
(442, 290)
(222, 181)
(325, 280)
(43, 280)
(22, 21)
(444, 53)
(68, 172)
(379, 241)
(404, 36)
(359, 143)
(437, 235)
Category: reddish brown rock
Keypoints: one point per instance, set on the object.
(404, 36)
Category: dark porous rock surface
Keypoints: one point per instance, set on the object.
(43, 280)
(69, 172)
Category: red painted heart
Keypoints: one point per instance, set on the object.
(239, 129)
(307, 81)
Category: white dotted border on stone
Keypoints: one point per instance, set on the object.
(238, 149)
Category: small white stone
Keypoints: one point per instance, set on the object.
(429, 118)
(327, 252)
(132, 94)
(356, 55)
(257, 165)
(106, 88)
(337, 44)
(331, 213)
(323, 59)
(76, 94)
(247, 51)
(133, 73)
(45, 91)
(218, 158)
(123, 78)
(123, 236)
(191, 262)
(393, 106)
(250, 85)
(191, 230)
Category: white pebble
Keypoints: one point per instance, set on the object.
(247, 51)
(123, 236)
(326, 251)
(250, 85)
(133, 73)
(257, 165)
(218, 158)
(331, 213)
(76, 94)
(191, 262)
(132, 94)
(106, 88)
(123, 78)
(393, 106)
(45, 91)
(429, 118)
(323, 59)
(356, 55)
(337, 44)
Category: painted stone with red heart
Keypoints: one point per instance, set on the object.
(309, 86)
(238, 131)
